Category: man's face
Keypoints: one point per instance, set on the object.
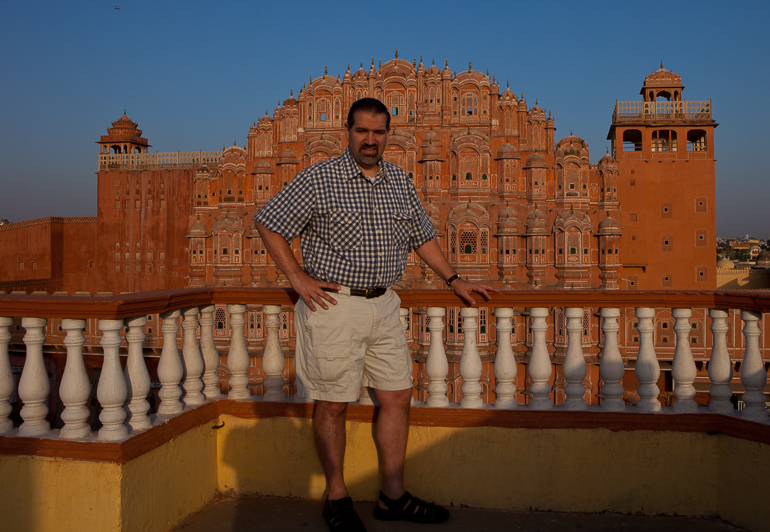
(367, 138)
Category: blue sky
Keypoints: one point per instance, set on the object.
(195, 75)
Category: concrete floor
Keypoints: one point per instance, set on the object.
(272, 514)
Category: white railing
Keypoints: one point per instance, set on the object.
(142, 161)
(189, 378)
(662, 110)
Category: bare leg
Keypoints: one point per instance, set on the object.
(392, 431)
(329, 433)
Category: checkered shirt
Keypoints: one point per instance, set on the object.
(354, 230)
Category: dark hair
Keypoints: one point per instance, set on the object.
(372, 106)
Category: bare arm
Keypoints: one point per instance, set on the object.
(308, 288)
(431, 253)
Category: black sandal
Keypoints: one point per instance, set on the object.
(341, 517)
(410, 508)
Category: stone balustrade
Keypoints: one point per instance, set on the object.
(636, 111)
(149, 161)
(188, 377)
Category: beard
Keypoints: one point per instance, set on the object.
(365, 159)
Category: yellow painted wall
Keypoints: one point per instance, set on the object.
(592, 470)
(583, 470)
(743, 475)
(51, 494)
(159, 489)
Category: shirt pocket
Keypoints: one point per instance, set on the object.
(345, 231)
(402, 227)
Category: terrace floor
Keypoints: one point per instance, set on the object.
(274, 514)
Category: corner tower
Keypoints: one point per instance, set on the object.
(664, 148)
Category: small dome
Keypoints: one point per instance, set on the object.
(607, 160)
(263, 167)
(431, 152)
(198, 229)
(507, 151)
(535, 161)
(432, 137)
(286, 157)
(609, 225)
(507, 220)
(726, 263)
(763, 259)
(536, 222)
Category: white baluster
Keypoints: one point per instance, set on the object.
(720, 365)
(753, 374)
(683, 369)
(505, 363)
(75, 388)
(470, 361)
(647, 366)
(238, 356)
(539, 361)
(210, 354)
(273, 361)
(574, 361)
(111, 390)
(403, 314)
(137, 377)
(611, 367)
(193, 360)
(436, 365)
(34, 384)
(6, 376)
(170, 370)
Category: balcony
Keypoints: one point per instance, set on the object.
(155, 161)
(530, 414)
(662, 111)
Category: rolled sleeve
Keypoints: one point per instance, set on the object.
(422, 230)
(289, 211)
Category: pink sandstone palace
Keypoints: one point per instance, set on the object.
(511, 203)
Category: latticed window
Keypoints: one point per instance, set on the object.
(483, 242)
(220, 318)
(468, 242)
(483, 320)
(453, 241)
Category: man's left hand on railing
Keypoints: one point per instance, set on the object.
(464, 289)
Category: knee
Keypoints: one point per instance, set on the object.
(395, 399)
(330, 409)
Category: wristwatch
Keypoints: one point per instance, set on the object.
(452, 279)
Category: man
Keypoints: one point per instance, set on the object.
(357, 217)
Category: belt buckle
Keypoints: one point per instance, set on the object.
(370, 293)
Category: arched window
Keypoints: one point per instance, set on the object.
(632, 140)
(468, 243)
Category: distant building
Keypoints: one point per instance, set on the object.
(510, 202)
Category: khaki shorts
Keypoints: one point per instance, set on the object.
(357, 342)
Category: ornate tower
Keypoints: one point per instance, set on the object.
(664, 148)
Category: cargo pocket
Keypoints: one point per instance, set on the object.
(328, 339)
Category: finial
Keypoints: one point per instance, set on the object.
(446, 64)
(291, 92)
(570, 132)
(362, 64)
(326, 70)
(433, 62)
(303, 84)
(661, 63)
(379, 64)
(535, 102)
(454, 73)
(396, 53)
(265, 112)
(572, 209)
(414, 62)
(608, 152)
(124, 111)
(487, 72)
(372, 61)
(549, 113)
(469, 66)
(348, 67)
(255, 123)
(508, 85)
(234, 143)
(311, 80)
(522, 96)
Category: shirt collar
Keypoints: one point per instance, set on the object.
(352, 170)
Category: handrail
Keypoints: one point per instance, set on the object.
(139, 303)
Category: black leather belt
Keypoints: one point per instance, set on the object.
(368, 293)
